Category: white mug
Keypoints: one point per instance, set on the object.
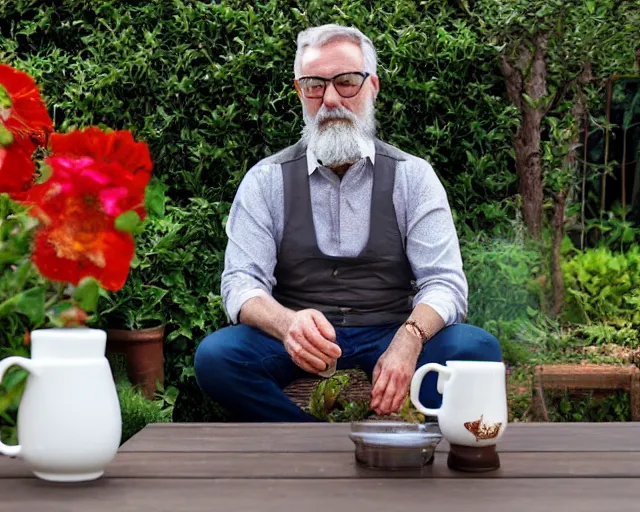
(474, 401)
(69, 422)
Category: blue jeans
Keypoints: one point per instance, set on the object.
(245, 370)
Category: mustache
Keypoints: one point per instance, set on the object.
(339, 113)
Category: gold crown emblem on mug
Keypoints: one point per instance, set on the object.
(482, 430)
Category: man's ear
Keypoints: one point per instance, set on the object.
(375, 83)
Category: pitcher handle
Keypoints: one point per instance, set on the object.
(416, 383)
(5, 364)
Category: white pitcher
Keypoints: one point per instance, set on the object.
(474, 401)
(69, 423)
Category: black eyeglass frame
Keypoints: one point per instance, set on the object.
(363, 74)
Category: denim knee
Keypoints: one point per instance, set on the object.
(464, 342)
(213, 359)
(476, 344)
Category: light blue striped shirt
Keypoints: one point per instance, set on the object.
(341, 215)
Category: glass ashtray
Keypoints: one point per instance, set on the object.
(394, 445)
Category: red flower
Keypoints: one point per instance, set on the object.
(24, 124)
(78, 206)
(115, 189)
(16, 170)
(95, 178)
(22, 110)
(114, 160)
(116, 147)
(82, 244)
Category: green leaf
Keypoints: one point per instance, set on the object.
(628, 234)
(188, 372)
(5, 98)
(170, 395)
(155, 198)
(6, 137)
(325, 395)
(87, 293)
(127, 221)
(45, 173)
(60, 308)
(29, 303)
(14, 378)
(13, 386)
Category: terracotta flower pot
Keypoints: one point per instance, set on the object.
(143, 349)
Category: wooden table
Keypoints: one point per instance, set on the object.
(307, 468)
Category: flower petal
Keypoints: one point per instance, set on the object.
(116, 147)
(27, 113)
(109, 198)
(113, 253)
(16, 170)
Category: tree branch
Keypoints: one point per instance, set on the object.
(537, 83)
(583, 78)
(513, 81)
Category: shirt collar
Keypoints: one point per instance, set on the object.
(367, 149)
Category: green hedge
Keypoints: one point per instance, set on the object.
(209, 85)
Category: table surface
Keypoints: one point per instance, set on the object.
(311, 467)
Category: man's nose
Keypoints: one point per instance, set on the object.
(331, 97)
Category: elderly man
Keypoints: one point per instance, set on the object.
(342, 253)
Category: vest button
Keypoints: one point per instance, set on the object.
(335, 272)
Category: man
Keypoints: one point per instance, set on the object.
(342, 252)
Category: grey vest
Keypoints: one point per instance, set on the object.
(377, 286)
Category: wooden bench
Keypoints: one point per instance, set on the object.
(592, 377)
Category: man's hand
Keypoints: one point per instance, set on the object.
(393, 372)
(395, 368)
(310, 341)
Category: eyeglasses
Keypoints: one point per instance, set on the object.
(347, 84)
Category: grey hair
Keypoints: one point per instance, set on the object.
(317, 37)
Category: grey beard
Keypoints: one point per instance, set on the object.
(338, 143)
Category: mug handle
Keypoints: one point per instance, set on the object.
(5, 364)
(416, 382)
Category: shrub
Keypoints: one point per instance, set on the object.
(502, 279)
(209, 85)
(504, 293)
(603, 286)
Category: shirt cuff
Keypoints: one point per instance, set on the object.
(236, 303)
(446, 308)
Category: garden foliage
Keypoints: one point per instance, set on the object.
(208, 86)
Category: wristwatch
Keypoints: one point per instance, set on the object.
(413, 328)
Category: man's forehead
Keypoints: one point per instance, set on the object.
(342, 53)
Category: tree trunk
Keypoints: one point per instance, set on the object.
(527, 74)
(529, 169)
